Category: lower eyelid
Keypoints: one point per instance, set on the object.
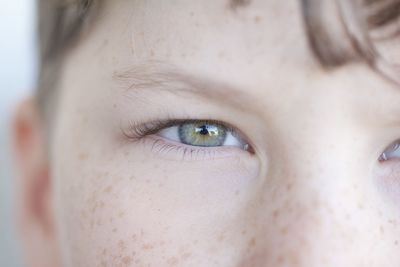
(171, 150)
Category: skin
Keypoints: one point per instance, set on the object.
(312, 193)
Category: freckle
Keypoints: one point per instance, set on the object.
(148, 181)
(381, 230)
(172, 261)
(284, 230)
(195, 242)
(280, 259)
(133, 237)
(192, 14)
(115, 106)
(121, 214)
(237, 192)
(289, 187)
(275, 213)
(396, 242)
(257, 19)
(152, 53)
(127, 260)
(348, 217)
(108, 189)
(114, 230)
(132, 178)
(252, 242)
(244, 232)
(360, 206)
(104, 252)
(83, 156)
(147, 247)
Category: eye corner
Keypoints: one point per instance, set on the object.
(390, 153)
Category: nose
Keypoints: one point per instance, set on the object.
(313, 210)
(311, 218)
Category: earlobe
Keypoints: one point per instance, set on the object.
(34, 191)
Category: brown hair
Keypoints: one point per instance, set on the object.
(61, 23)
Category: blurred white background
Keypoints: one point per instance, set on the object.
(17, 78)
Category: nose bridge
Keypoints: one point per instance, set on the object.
(305, 220)
(309, 192)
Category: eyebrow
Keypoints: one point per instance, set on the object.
(235, 4)
(159, 76)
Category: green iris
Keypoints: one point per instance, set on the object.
(202, 133)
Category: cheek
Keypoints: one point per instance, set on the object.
(388, 183)
(129, 208)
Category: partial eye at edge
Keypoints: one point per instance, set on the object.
(392, 151)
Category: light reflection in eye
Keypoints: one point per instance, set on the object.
(392, 151)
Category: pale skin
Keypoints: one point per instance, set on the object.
(310, 192)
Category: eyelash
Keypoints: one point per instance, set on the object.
(137, 131)
(145, 132)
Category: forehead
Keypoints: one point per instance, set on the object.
(209, 36)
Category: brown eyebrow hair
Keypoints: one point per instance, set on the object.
(162, 76)
(235, 4)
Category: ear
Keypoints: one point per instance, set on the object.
(34, 191)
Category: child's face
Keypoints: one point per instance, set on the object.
(309, 190)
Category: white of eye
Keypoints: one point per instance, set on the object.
(392, 151)
(172, 133)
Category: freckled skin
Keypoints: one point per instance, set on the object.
(307, 197)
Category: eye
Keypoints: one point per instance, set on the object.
(203, 134)
(392, 151)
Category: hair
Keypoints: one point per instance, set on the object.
(61, 23)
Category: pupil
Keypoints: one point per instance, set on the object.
(203, 130)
